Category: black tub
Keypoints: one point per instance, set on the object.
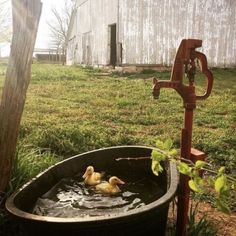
(147, 220)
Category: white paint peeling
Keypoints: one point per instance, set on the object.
(151, 30)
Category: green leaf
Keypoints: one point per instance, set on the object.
(173, 152)
(221, 170)
(233, 186)
(154, 154)
(157, 156)
(168, 144)
(220, 183)
(196, 184)
(156, 168)
(194, 174)
(193, 185)
(199, 164)
(199, 181)
(173, 160)
(184, 168)
(222, 206)
(160, 144)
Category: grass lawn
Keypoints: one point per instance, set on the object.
(70, 110)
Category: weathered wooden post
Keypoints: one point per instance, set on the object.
(26, 15)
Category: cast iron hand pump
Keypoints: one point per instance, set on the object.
(185, 65)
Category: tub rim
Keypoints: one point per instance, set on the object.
(166, 198)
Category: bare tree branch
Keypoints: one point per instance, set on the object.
(59, 27)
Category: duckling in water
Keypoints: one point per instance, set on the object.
(90, 177)
(110, 187)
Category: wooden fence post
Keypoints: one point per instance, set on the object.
(26, 15)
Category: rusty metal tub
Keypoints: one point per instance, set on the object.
(147, 220)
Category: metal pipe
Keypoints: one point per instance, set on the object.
(184, 190)
(185, 59)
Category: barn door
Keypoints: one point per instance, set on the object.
(113, 52)
(87, 50)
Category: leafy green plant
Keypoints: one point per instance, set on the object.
(200, 227)
(220, 183)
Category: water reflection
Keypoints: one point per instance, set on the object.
(72, 198)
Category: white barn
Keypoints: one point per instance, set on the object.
(148, 32)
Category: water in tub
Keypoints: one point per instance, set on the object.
(70, 197)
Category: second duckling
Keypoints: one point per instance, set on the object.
(92, 178)
(110, 187)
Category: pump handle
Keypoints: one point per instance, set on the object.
(209, 77)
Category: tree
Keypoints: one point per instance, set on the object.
(26, 15)
(59, 27)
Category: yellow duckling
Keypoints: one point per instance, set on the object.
(90, 177)
(110, 187)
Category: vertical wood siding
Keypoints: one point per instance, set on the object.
(150, 31)
(93, 18)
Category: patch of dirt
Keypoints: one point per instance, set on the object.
(225, 224)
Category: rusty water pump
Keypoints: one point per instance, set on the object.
(185, 65)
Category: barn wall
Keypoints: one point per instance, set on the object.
(151, 30)
(72, 48)
(93, 18)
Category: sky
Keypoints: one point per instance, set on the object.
(43, 36)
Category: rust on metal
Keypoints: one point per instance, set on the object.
(197, 155)
(185, 65)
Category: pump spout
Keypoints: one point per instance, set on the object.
(158, 84)
(187, 92)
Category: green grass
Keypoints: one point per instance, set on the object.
(201, 226)
(70, 110)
